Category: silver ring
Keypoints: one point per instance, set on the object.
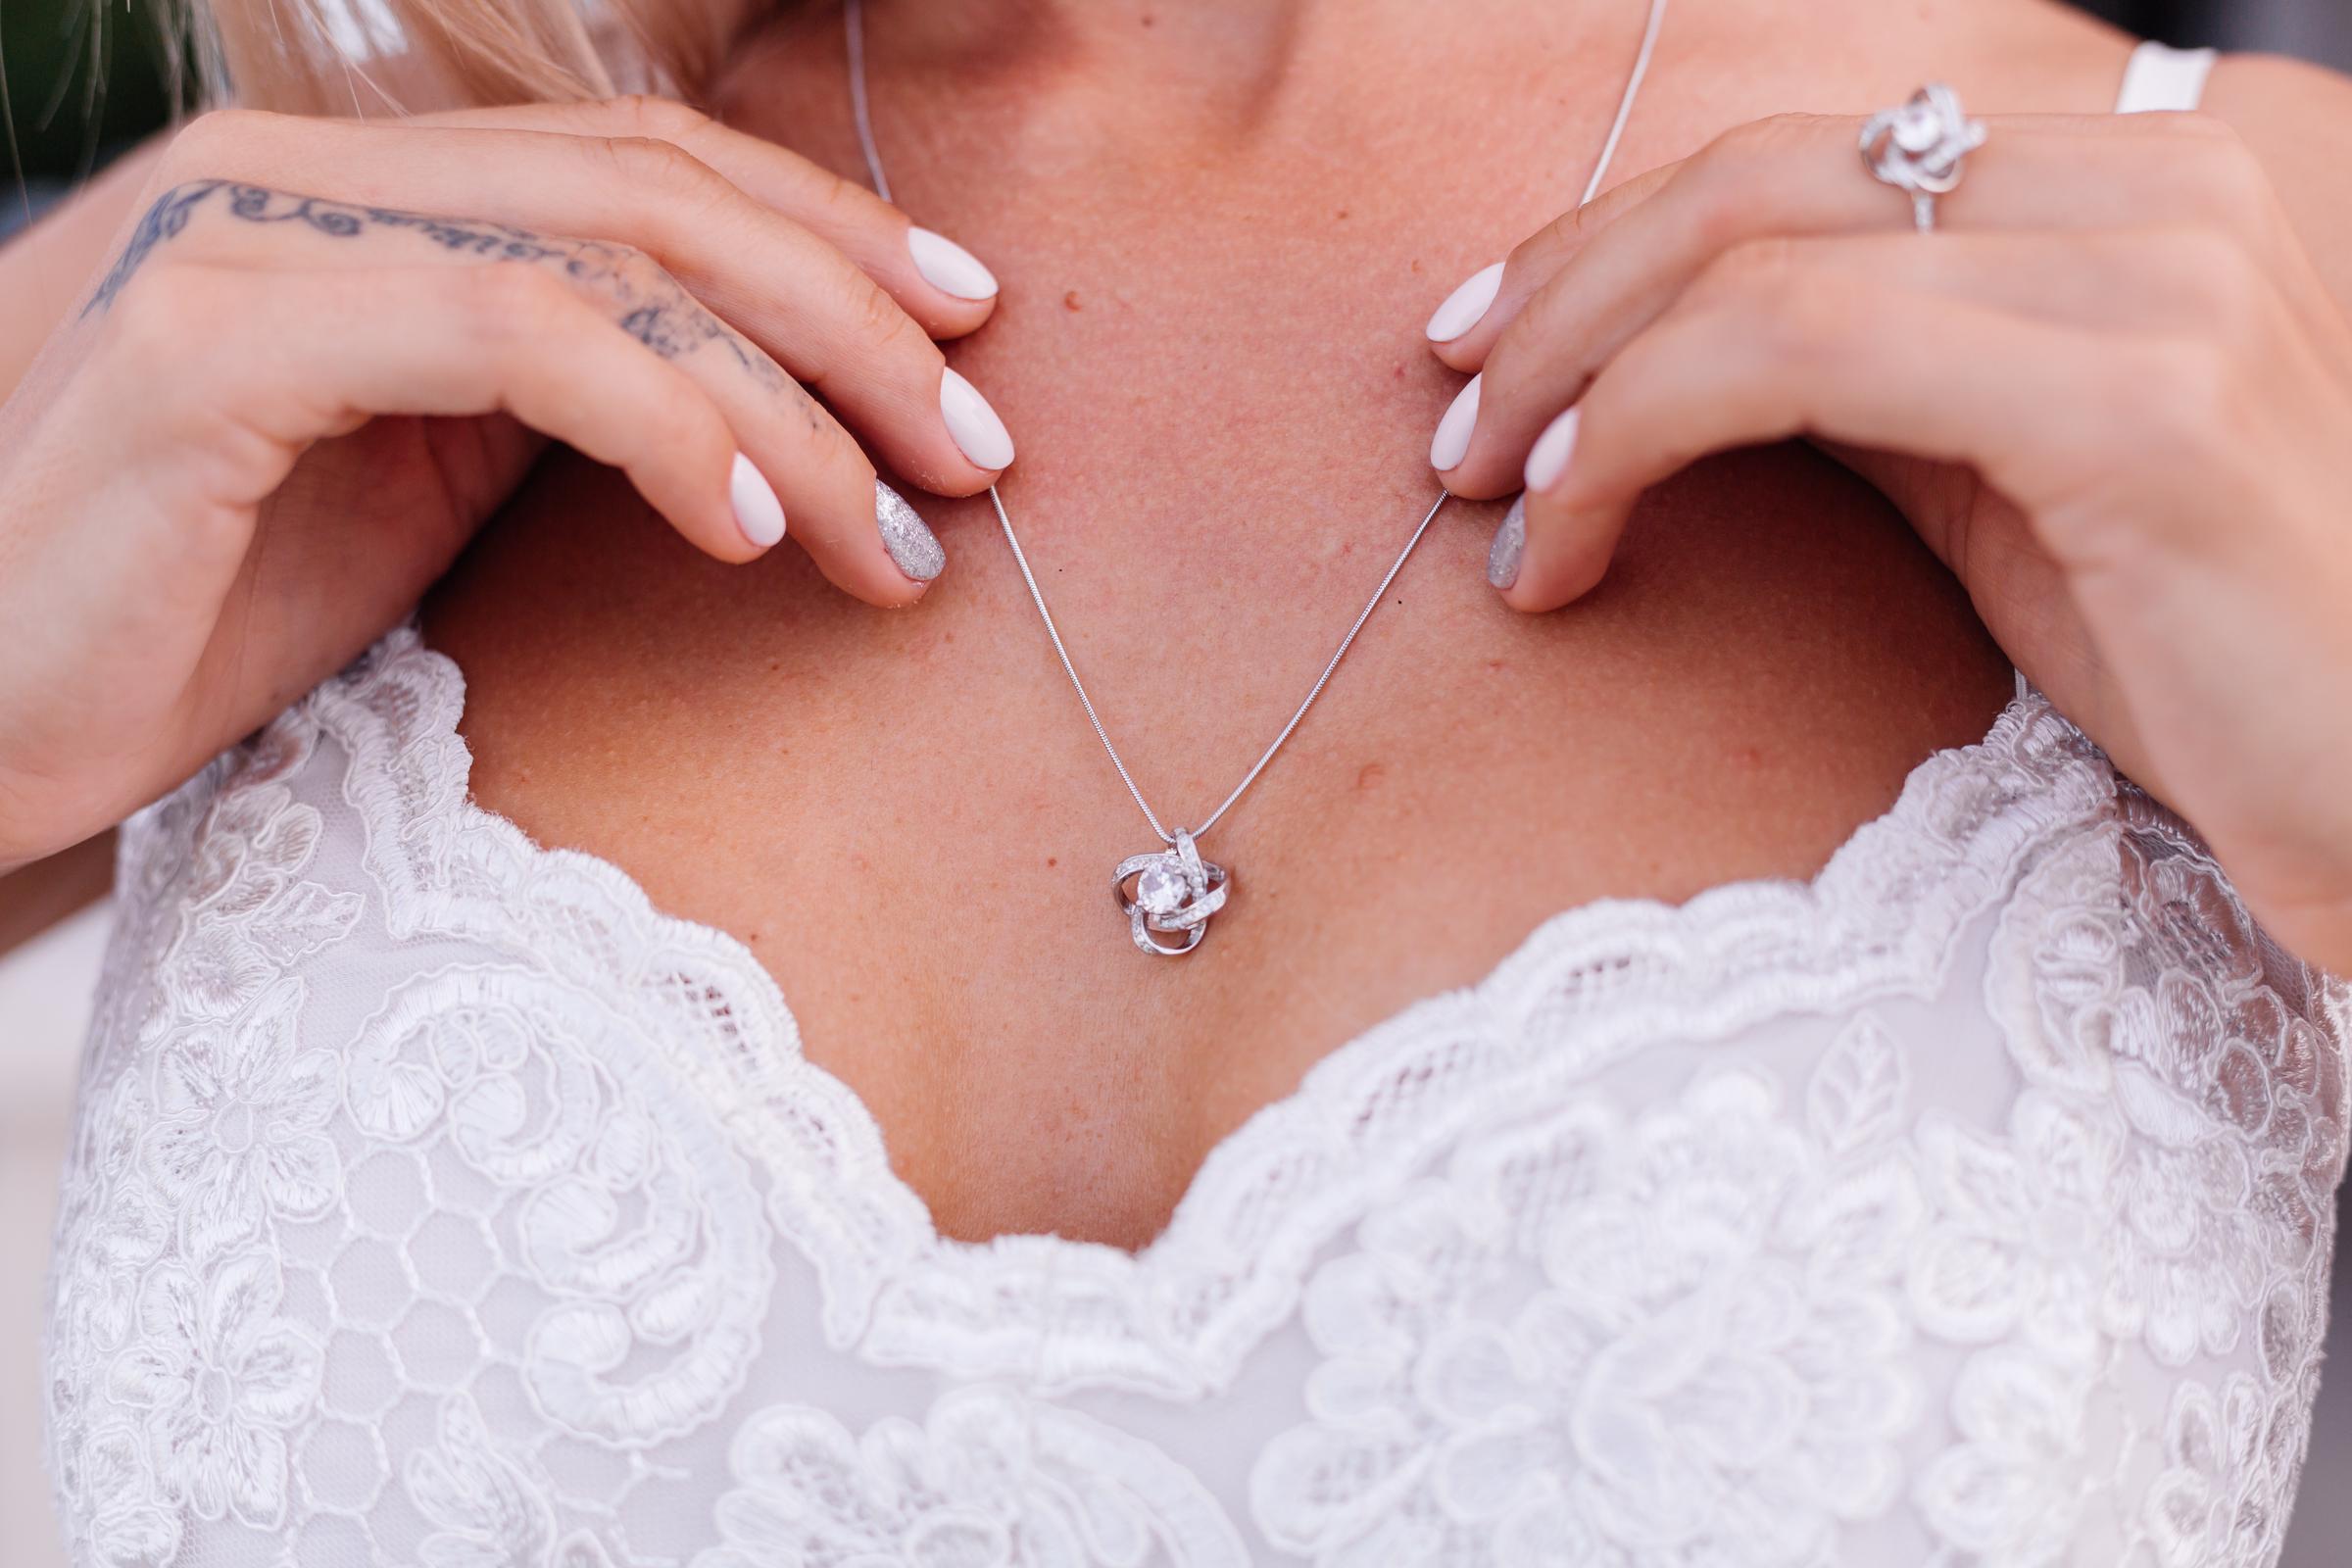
(1923, 148)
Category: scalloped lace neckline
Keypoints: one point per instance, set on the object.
(1876, 918)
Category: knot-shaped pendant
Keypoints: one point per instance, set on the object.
(1175, 893)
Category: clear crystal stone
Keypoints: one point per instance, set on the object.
(1918, 129)
(1160, 889)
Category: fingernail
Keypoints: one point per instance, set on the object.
(1548, 458)
(1466, 306)
(1452, 440)
(758, 511)
(1510, 543)
(948, 268)
(910, 542)
(978, 432)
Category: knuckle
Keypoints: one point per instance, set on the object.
(1743, 149)
(830, 193)
(1718, 200)
(1756, 270)
(662, 166)
(694, 424)
(216, 132)
(1746, 141)
(651, 116)
(632, 272)
(1733, 181)
(1577, 226)
(880, 322)
(2224, 175)
(1764, 283)
(600, 267)
(512, 302)
(2177, 397)
(1804, 319)
(672, 415)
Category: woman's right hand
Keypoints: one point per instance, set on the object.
(330, 350)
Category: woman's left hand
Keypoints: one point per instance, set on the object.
(2113, 395)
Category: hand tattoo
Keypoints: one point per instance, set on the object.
(647, 304)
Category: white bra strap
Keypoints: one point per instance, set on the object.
(2165, 80)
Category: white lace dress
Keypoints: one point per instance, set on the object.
(437, 1202)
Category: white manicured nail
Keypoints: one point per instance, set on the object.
(948, 268)
(978, 432)
(1452, 440)
(758, 511)
(1549, 459)
(1466, 306)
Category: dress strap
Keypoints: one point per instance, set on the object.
(2165, 80)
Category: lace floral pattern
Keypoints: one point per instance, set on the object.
(988, 1480)
(638, 1222)
(1728, 1389)
(239, 1109)
(486, 1510)
(217, 1378)
(2213, 1507)
(436, 1200)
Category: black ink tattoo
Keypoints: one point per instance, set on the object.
(251, 204)
(655, 311)
(162, 222)
(648, 304)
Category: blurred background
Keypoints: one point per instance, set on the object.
(80, 81)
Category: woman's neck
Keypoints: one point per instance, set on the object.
(1225, 46)
(1088, 90)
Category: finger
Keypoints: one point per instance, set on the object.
(1617, 271)
(803, 302)
(1879, 369)
(939, 282)
(2146, 281)
(945, 287)
(2114, 281)
(864, 539)
(1798, 175)
(186, 459)
(347, 346)
(1465, 325)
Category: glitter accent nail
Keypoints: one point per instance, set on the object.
(910, 542)
(1510, 544)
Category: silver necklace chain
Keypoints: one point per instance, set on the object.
(1194, 889)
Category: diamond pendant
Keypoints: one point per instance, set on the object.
(1175, 893)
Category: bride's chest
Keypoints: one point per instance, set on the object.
(909, 821)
